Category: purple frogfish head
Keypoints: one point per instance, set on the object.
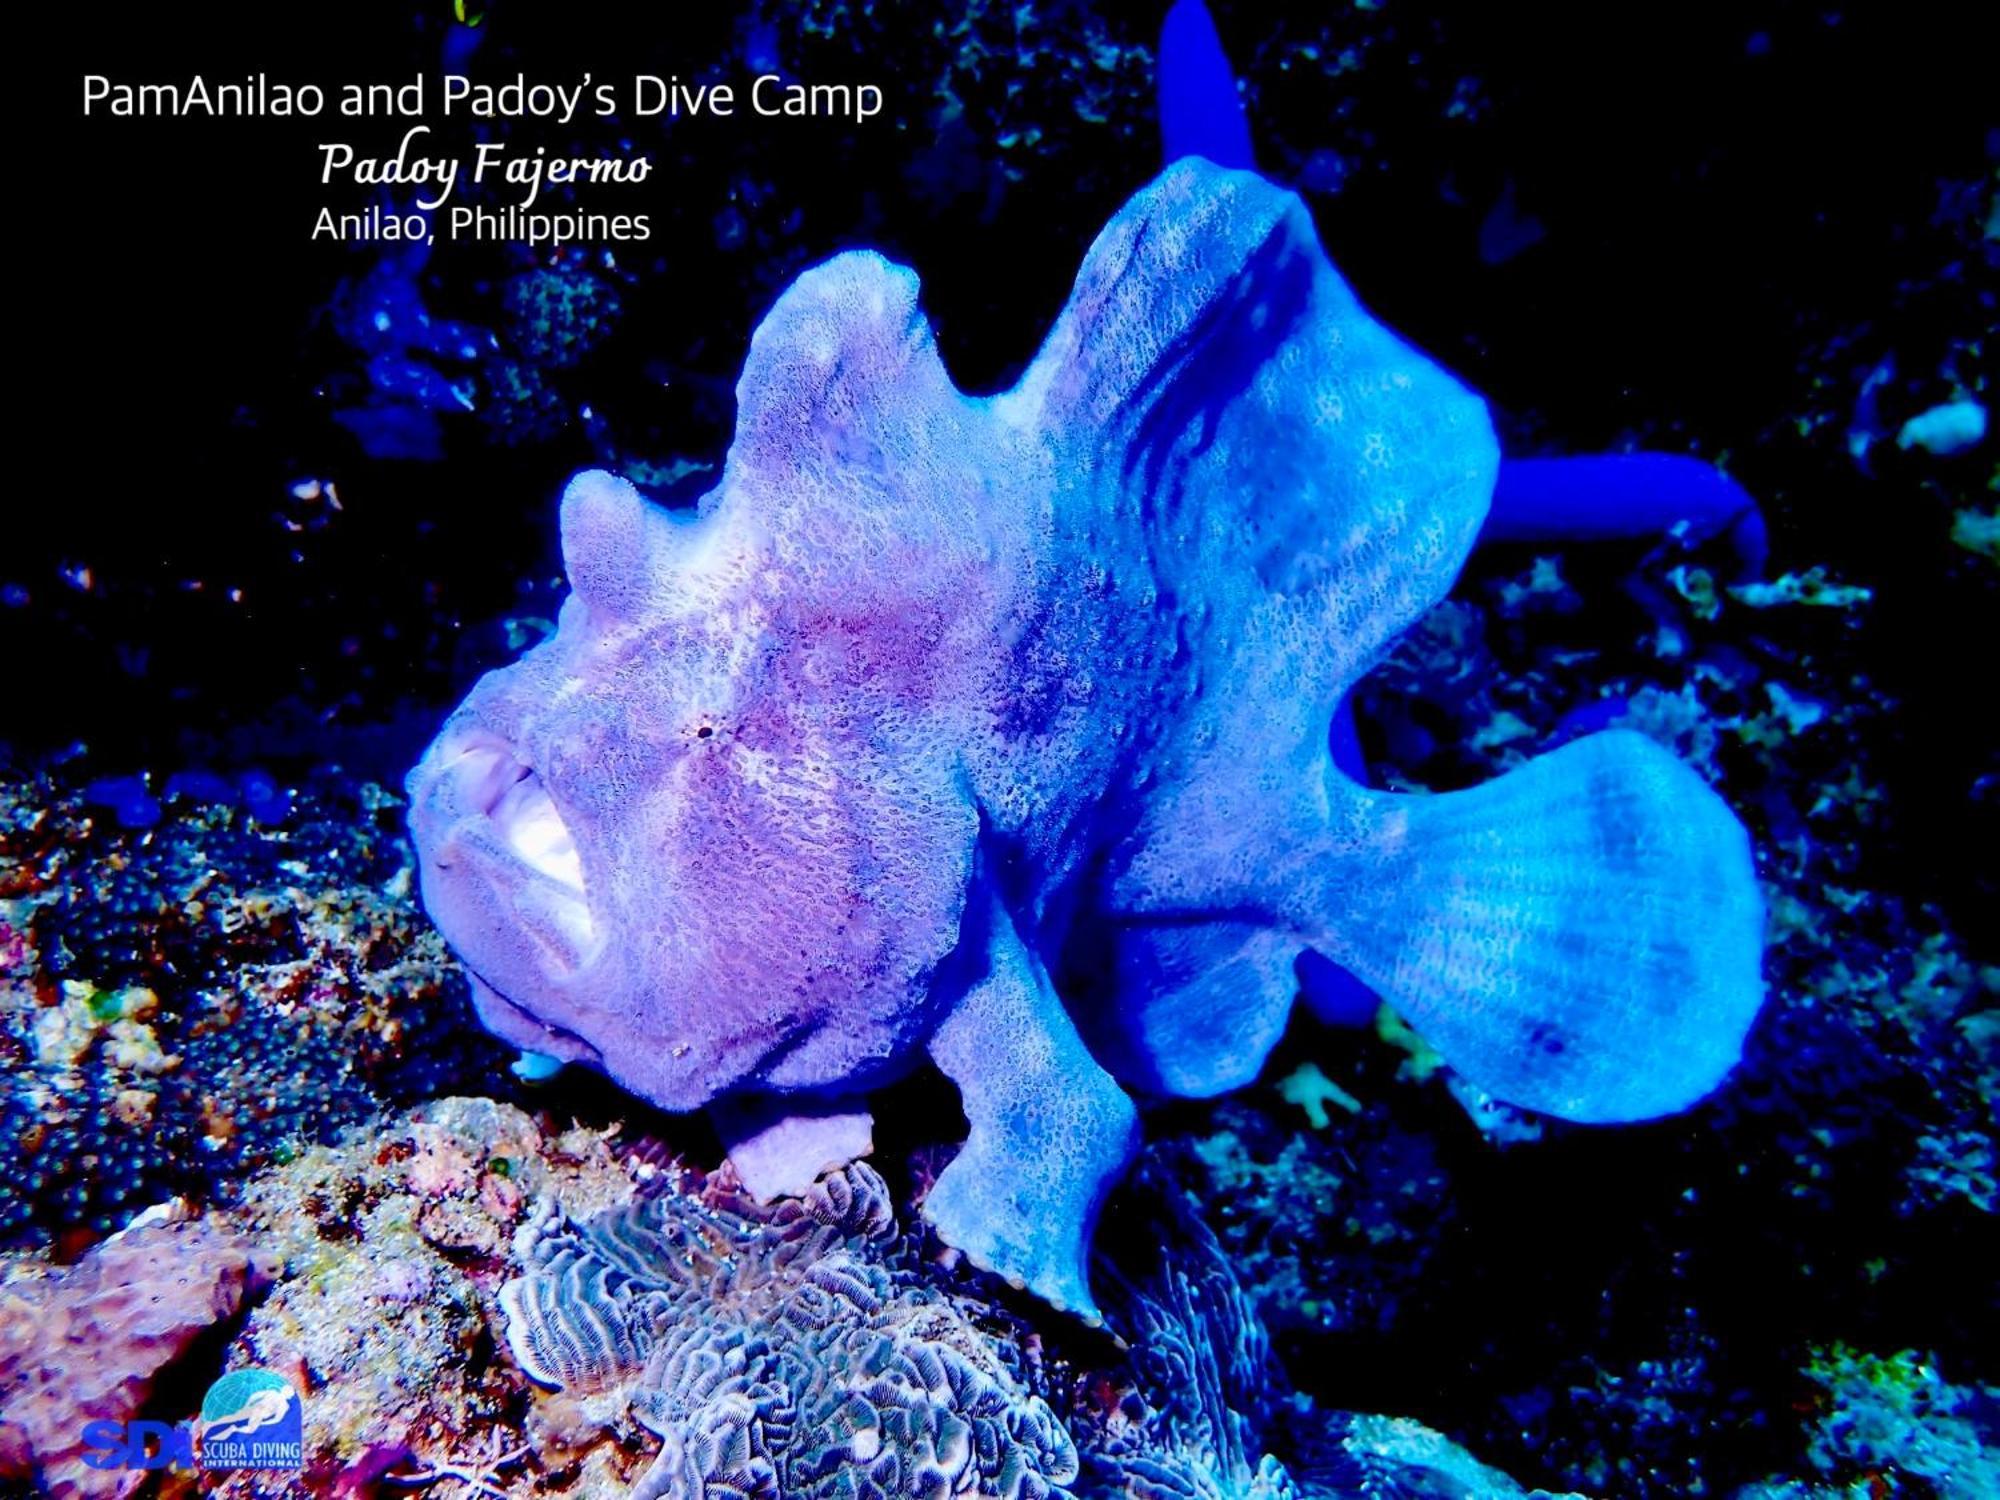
(541, 809)
(638, 838)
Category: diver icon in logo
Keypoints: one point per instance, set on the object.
(251, 1419)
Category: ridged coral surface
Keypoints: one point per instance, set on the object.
(780, 1355)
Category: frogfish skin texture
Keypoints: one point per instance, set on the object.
(993, 731)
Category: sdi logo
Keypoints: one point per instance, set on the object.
(250, 1419)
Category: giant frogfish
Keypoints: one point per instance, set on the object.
(993, 731)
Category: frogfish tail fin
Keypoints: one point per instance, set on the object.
(1582, 936)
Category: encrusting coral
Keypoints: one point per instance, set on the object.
(185, 1003)
(87, 1343)
(387, 1250)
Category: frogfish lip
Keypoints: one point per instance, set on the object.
(496, 815)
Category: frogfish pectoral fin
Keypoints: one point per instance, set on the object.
(1582, 936)
(1050, 1132)
(1187, 1008)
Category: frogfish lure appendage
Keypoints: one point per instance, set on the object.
(993, 732)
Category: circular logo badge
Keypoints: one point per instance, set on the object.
(251, 1419)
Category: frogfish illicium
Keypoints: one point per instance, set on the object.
(993, 731)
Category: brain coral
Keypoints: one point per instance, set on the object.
(995, 730)
(779, 1353)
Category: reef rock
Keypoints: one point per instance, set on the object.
(386, 1250)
